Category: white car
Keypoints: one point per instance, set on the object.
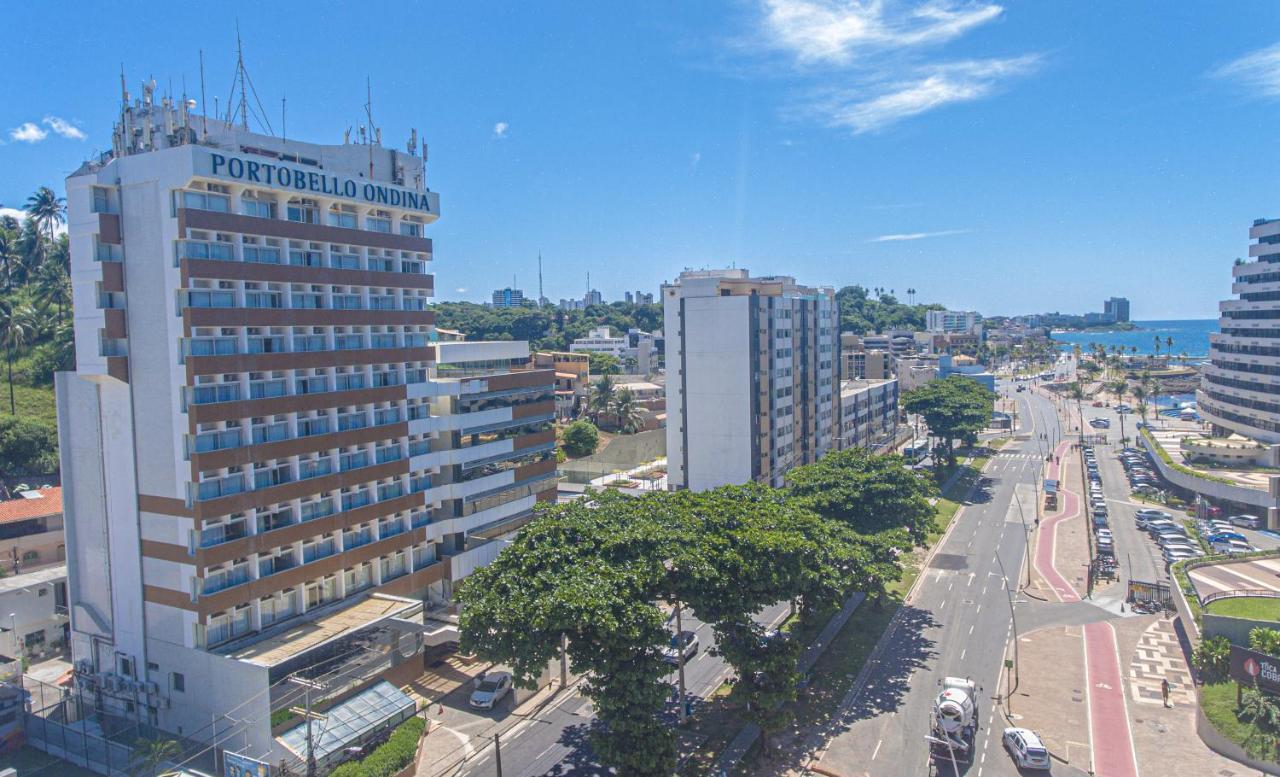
(490, 689)
(1246, 521)
(1026, 749)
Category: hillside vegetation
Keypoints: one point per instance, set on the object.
(35, 333)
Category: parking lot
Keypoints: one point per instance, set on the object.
(1254, 575)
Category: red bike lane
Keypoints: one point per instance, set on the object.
(1112, 739)
(1047, 538)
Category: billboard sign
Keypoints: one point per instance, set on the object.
(1249, 667)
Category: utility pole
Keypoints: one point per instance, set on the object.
(497, 753)
(308, 686)
(680, 662)
(1014, 618)
(564, 661)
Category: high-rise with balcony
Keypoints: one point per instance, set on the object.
(271, 465)
(1240, 388)
(751, 377)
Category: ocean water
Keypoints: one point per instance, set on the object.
(1190, 337)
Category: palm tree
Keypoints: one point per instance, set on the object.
(602, 397)
(1139, 392)
(17, 326)
(53, 286)
(1120, 387)
(151, 754)
(627, 410)
(8, 254)
(48, 211)
(1076, 392)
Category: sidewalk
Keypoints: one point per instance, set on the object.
(1047, 536)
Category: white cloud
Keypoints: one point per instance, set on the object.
(500, 129)
(695, 158)
(64, 128)
(461, 290)
(28, 132)
(1259, 70)
(839, 31)
(21, 216)
(865, 65)
(933, 87)
(916, 236)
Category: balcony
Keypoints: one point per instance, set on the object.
(221, 581)
(355, 539)
(223, 533)
(318, 550)
(274, 564)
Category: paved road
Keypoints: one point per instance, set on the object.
(958, 623)
(553, 741)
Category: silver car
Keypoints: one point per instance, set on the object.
(1026, 749)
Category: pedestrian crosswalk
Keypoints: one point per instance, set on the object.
(1019, 455)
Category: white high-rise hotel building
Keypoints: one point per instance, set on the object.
(263, 432)
(752, 377)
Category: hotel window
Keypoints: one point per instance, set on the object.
(205, 201)
(411, 228)
(251, 205)
(342, 216)
(303, 210)
(346, 381)
(102, 200)
(348, 260)
(262, 255)
(378, 221)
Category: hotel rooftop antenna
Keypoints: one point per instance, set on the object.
(284, 106)
(204, 107)
(368, 112)
(540, 297)
(243, 83)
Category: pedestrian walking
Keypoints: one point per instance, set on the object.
(1164, 692)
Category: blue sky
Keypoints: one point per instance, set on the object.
(1009, 158)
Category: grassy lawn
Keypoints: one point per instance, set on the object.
(1254, 607)
(33, 403)
(1219, 703)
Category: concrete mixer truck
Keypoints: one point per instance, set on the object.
(953, 726)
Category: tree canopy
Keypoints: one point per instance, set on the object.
(546, 328)
(580, 438)
(605, 570)
(862, 313)
(955, 407)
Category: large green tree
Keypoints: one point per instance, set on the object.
(955, 407)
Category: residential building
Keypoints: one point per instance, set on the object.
(31, 534)
(33, 613)
(571, 304)
(644, 298)
(916, 371)
(264, 430)
(1240, 387)
(508, 298)
(601, 340)
(858, 361)
(961, 321)
(628, 297)
(1098, 319)
(751, 374)
(573, 376)
(868, 413)
(1117, 308)
(592, 297)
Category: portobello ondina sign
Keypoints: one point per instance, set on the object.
(1249, 667)
(283, 176)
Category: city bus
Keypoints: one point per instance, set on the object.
(914, 452)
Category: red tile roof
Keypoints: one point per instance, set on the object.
(22, 508)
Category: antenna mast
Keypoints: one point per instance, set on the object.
(368, 112)
(540, 297)
(204, 109)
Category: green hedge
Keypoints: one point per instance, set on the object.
(390, 757)
(1164, 456)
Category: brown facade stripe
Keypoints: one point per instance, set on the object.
(401, 586)
(297, 446)
(534, 409)
(306, 317)
(522, 379)
(294, 230)
(535, 469)
(262, 543)
(167, 552)
(109, 228)
(112, 276)
(115, 323)
(163, 505)
(547, 494)
(118, 367)
(294, 403)
(284, 273)
(263, 497)
(264, 586)
(265, 362)
(531, 440)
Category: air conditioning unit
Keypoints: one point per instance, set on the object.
(152, 688)
(84, 666)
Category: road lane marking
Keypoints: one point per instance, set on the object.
(971, 628)
(962, 652)
(876, 752)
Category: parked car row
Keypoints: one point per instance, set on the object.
(1142, 475)
(1169, 534)
(1103, 539)
(1223, 536)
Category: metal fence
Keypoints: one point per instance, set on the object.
(75, 744)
